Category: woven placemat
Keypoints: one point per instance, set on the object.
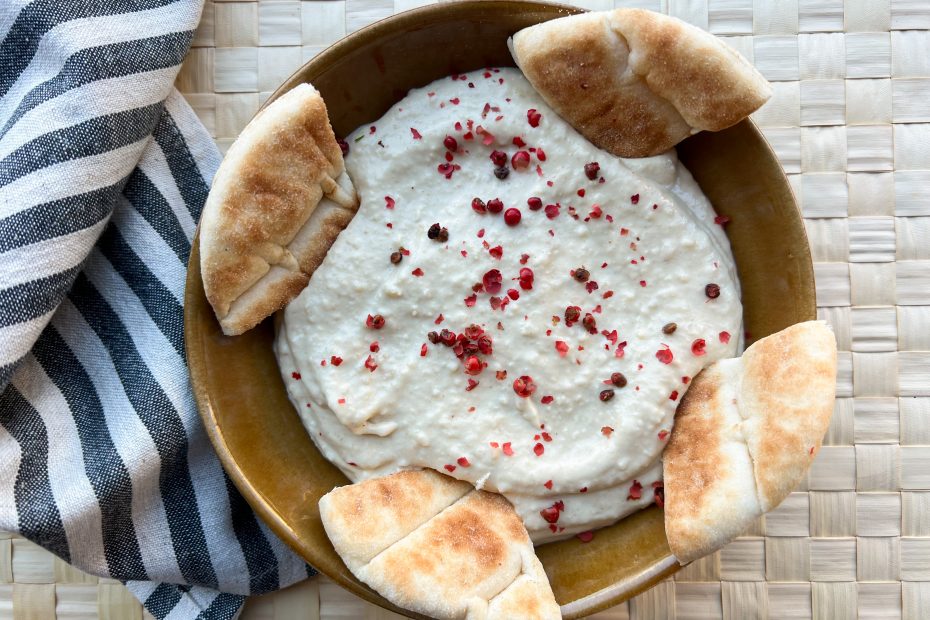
(850, 121)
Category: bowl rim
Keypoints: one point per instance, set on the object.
(353, 41)
(599, 600)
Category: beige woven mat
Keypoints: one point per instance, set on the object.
(850, 120)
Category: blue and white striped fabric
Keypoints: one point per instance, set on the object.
(104, 170)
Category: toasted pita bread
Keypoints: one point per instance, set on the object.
(364, 519)
(710, 491)
(635, 82)
(438, 547)
(278, 201)
(745, 434)
(788, 391)
(529, 596)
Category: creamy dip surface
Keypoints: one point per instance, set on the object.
(516, 390)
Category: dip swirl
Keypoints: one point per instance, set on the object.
(571, 329)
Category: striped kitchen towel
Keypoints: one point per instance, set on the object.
(104, 170)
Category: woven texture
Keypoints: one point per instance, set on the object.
(850, 121)
(36, 585)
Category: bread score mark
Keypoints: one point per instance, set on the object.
(635, 82)
(745, 434)
(437, 546)
(278, 201)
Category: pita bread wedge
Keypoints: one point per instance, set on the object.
(788, 391)
(438, 547)
(745, 434)
(364, 519)
(635, 82)
(710, 491)
(278, 201)
(529, 596)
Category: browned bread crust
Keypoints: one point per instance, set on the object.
(278, 201)
(710, 493)
(364, 519)
(635, 82)
(438, 547)
(788, 391)
(745, 435)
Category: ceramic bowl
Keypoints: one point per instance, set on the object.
(239, 391)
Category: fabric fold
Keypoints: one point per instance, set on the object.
(104, 170)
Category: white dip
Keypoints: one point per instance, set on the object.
(568, 460)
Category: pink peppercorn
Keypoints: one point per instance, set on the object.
(520, 160)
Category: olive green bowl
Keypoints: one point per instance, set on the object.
(239, 391)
